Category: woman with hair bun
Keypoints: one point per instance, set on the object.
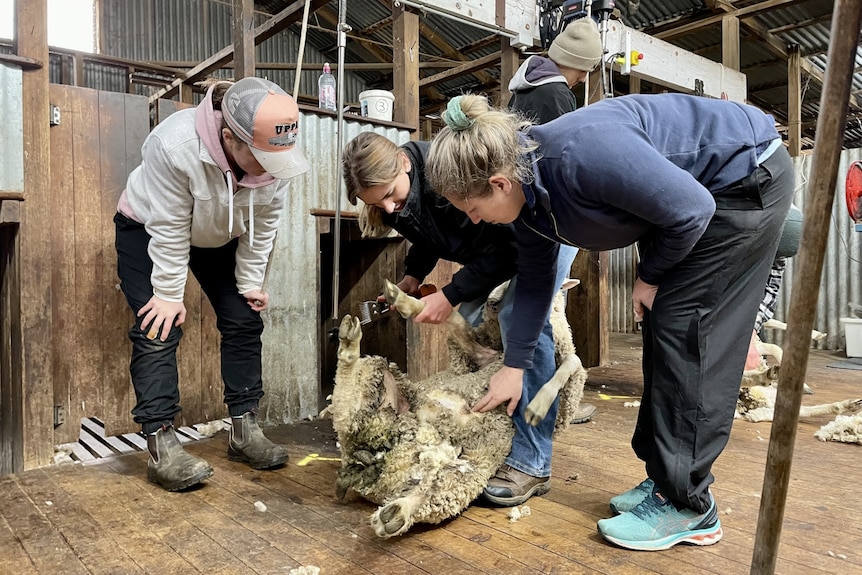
(702, 187)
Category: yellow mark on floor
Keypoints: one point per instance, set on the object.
(315, 457)
(607, 397)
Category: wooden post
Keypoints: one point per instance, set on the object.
(588, 304)
(794, 100)
(510, 59)
(730, 42)
(243, 38)
(844, 35)
(35, 351)
(405, 72)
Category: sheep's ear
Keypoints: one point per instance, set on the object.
(390, 290)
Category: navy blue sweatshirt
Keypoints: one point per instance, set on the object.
(635, 168)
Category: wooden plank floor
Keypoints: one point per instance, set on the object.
(105, 517)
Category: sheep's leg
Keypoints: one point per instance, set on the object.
(775, 324)
(409, 306)
(769, 349)
(852, 405)
(396, 517)
(767, 413)
(538, 408)
(349, 336)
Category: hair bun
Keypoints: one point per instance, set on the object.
(454, 116)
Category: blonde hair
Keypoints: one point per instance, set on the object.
(465, 154)
(369, 160)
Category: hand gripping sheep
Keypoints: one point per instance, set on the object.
(415, 448)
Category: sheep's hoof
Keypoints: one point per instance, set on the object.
(350, 329)
(538, 408)
(363, 456)
(389, 520)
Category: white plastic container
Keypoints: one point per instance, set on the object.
(852, 335)
(377, 104)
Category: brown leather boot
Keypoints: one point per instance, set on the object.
(170, 466)
(510, 487)
(248, 444)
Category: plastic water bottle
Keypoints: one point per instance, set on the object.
(326, 89)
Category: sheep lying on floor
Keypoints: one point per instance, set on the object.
(415, 448)
(759, 387)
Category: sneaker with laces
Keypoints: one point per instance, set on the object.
(630, 499)
(510, 487)
(656, 524)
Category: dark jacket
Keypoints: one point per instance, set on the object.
(649, 174)
(539, 91)
(437, 229)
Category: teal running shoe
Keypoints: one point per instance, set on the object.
(630, 499)
(656, 524)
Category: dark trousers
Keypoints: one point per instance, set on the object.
(154, 363)
(697, 334)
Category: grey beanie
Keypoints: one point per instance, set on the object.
(578, 46)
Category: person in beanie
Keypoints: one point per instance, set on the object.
(207, 196)
(542, 87)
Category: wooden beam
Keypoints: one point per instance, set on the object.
(243, 38)
(348, 66)
(462, 70)
(510, 59)
(21, 61)
(405, 75)
(794, 102)
(36, 354)
(730, 42)
(10, 212)
(267, 30)
(672, 30)
(449, 51)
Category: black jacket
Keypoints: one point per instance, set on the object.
(539, 91)
(437, 229)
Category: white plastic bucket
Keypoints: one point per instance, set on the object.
(852, 336)
(376, 104)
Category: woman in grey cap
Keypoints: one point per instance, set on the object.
(207, 196)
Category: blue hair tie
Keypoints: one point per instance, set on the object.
(455, 117)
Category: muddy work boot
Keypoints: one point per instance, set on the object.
(170, 466)
(248, 444)
(510, 487)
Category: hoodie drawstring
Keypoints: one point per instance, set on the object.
(251, 219)
(229, 175)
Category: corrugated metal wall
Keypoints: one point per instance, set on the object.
(291, 340)
(841, 281)
(193, 30)
(11, 130)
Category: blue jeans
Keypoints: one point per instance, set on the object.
(531, 446)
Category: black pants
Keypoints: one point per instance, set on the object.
(154, 362)
(697, 334)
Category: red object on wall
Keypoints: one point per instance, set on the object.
(853, 191)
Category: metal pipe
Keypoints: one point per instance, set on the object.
(343, 29)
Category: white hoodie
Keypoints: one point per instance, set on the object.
(185, 194)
